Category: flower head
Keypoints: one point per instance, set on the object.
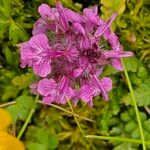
(65, 50)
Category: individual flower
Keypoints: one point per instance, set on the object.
(8, 141)
(37, 53)
(5, 120)
(65, 51)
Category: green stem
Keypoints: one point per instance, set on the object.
(117, 139)
(75, 117)
(53, 105)
(78, 124)
(7, 104)
(28, 119)
(135, 105)
(69, 112)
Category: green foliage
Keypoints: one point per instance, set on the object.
(23, 81)
(41, 140)
(142, 94)
(52, 129)
(21, 108)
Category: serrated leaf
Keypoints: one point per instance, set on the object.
(14, 112)
(21, 108)
(25, 104)
(142, 95)
(131, 63)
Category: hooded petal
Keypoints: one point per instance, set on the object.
(47, 87)
(62, 16)
(44, 10)
(73, 16)
(100, 30)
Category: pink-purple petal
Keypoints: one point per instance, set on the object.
(42, 68)
(39, 42)
(46, 86)
(116, 63)
(44, 10)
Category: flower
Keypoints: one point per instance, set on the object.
(5, 120)
(37, 54)
(7, 141)
(54, 92)
(65, 52)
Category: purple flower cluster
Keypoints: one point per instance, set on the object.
(65, 52)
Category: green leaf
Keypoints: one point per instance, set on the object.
(131, 63)
(125, 117)
(8, 55)
(23, 81)
(41, 136)
(125, 146)
(146, 125)
(4, 23)
(142, 72)
(35, 146)
(5, 7)
(14, 110)
(9, 92)
(21, 108)
(109, 70)
(142, 95)
(11, 57)
(16, 33)
(130, 126)
(53, 142)
(24, 103)
(113, 6)
(135, 133)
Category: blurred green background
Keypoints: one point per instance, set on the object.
(52, 128)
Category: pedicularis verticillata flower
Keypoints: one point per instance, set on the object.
(65, 52)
